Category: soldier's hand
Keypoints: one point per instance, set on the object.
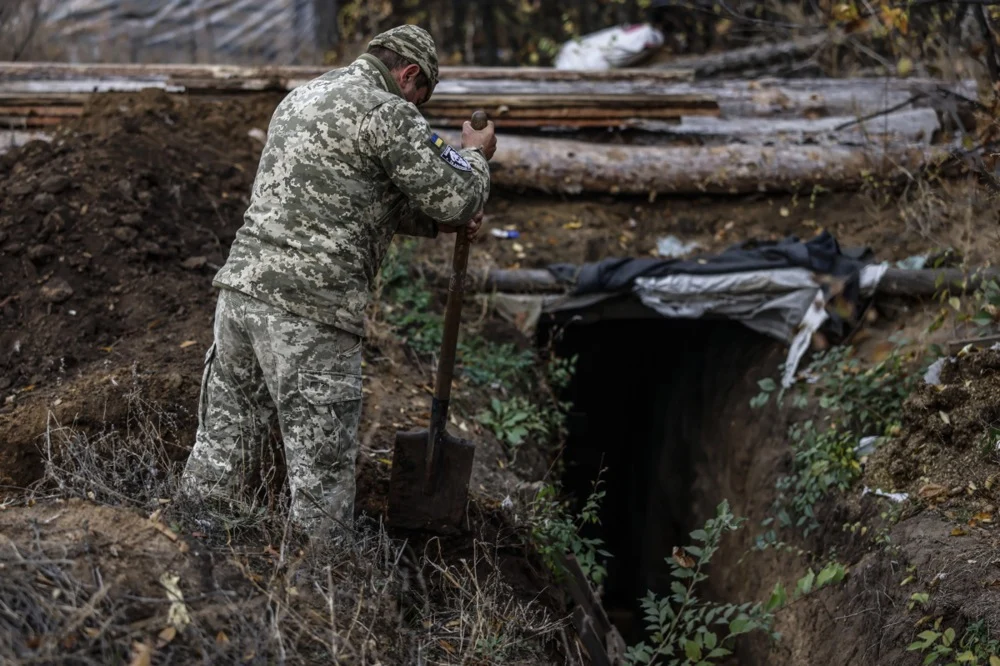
(471, 228)
(485, 138)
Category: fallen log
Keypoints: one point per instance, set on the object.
(818, 98)
(928, 283)
(750, 57)
(955, 346)
(911, 126)
(896, 282)
(573, 167)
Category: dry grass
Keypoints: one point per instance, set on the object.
(84, 584)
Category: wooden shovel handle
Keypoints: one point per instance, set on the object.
(453, 310)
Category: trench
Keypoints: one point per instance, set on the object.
(661, 406)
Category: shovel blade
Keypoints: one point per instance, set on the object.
(437, 506)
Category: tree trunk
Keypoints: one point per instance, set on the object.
(897, 282)
(751, 57)
(572, 167)
(816, 98)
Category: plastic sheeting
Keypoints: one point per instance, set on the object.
(619, 46)
(770, 302)
(260, 31)
(775, 289)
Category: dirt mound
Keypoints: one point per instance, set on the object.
(948, 445)
(101, 229)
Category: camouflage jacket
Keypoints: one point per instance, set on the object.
(348, 162)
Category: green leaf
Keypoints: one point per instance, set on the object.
(966, 657)
(831, 573)
(711, 640)
(929, 635)
(678, 588)
(949, 637)
(778, 598)
(767, 384)
(692, 650)
(739, 626)
(930, 659)
(699, 535)
(982, 318)
(805, 584)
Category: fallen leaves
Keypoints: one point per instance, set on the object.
(682, 558)
(931, 490)
(142, 654)
(157, 524)
(958, 531)
(165, 636)
(177, 614)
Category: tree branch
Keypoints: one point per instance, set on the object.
(991, 47)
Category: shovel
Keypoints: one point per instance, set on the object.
(431, 469)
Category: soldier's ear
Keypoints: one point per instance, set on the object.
(411, 72)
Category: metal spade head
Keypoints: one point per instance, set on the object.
(433, 497)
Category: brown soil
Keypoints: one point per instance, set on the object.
(111, 230)
(948, 446)
(941, 542)
(584, 229)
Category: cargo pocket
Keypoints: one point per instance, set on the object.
(336, 396)
(205, 374)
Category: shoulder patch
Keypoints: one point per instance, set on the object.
(450, 155)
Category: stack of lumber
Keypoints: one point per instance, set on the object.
(42, 95)
(684, 136)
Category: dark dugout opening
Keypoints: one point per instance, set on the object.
(650, 402)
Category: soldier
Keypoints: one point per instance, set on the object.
(348, 162)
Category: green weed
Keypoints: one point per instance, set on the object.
(684, 629)
(850, 400)
(975, 647)
(555, 531)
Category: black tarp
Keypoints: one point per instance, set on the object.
(821, 254)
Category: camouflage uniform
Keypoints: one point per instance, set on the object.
(348, 162)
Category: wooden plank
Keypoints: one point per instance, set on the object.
(692, 104)
(500, 111)
(21, 71)
(30, 122)
(589, 637)
(634, 74)
(452, 122)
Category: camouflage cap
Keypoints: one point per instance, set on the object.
(415, 44)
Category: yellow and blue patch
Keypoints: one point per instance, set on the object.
(450, 155)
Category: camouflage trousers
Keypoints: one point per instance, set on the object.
(266, 367)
